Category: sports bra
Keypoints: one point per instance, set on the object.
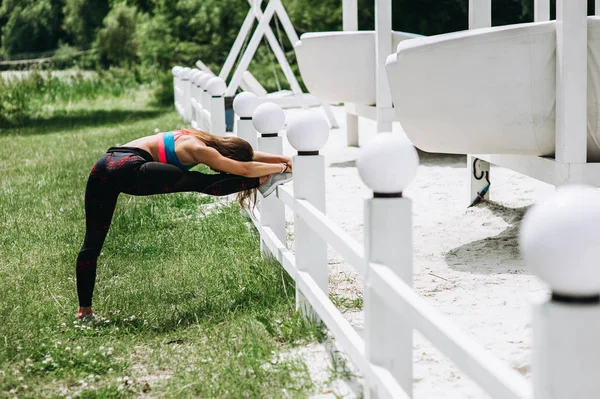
(166, 148)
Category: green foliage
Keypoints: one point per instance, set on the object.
(116, 40)
(31, 95)
(31, 25)
(82, 20)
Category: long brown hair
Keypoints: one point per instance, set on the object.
(233, 148)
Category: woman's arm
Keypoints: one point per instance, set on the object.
(213, 159)
(271, 158)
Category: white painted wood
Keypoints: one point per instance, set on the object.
(217, 115)
(246, 131)
(498, 379)
(571, 81)
(383, 48)
(311, 250)
(388, 241)
(348, 338)
(480, 14)
(350, 15)
(541, 10)
(186, 87)
(340, 75)
(566, 350)
(238, 43)
(263, 25)
(278, 51)
(351, 129)
(287, 25)
(330, 232)
(477, 186)
(205, 115)
(597, 7)
(272, 210)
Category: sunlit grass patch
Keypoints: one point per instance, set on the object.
(189, 307)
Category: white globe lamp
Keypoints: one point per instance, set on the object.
(175, 70)
(185, 73)
(244, 104)
(388, 163)
(308, 132)
(560, 241)
(202, 82)
(268, 118)
(216, 87)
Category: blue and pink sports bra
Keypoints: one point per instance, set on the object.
(166, 149)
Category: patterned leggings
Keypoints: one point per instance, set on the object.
(133, 171)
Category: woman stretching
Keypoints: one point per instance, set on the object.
(160, 164)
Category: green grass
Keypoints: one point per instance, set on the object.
(191, 307)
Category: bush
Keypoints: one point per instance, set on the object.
(116, 40)
(28, 96)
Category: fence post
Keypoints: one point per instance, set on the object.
(244, 105)
(194, 96)
(176, 87)
(216, 88)
(203, 122)
(185, 87)
(560, 242)
(268, 119)
(308, 134)
(387, 164)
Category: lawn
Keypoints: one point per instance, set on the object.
(189, 306)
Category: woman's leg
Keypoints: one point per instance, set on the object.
(160, 178)
(100, 201)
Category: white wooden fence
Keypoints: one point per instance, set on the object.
(561, 248)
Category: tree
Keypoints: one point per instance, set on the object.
(82, 20)
(116, 40)
(31, 26)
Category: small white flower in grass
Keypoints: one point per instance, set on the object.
(25, 387)
(91, 377)
(132, 318)
(67, 348)
(61, 209)
(20, 378)
(156, 130)
(63, 324)
(94, 361)
(110, 370)
(58, 343)
(12, 391)
(71, 362)
(78, 348)
(86, 353)
(16, 372)
(101, 348)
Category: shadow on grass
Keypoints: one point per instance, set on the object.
(75, 120)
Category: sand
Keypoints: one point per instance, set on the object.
(466, 261)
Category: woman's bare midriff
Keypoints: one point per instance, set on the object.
(149, 144)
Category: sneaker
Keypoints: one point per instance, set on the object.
(272, 182)
(86, 318)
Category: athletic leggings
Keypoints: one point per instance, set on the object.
(133, 171)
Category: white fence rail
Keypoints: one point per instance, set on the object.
(562, 367)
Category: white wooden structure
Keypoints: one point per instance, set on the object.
(559, 237)
(524, 96)
(563, 362)
(351, 66)
(241, 77)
